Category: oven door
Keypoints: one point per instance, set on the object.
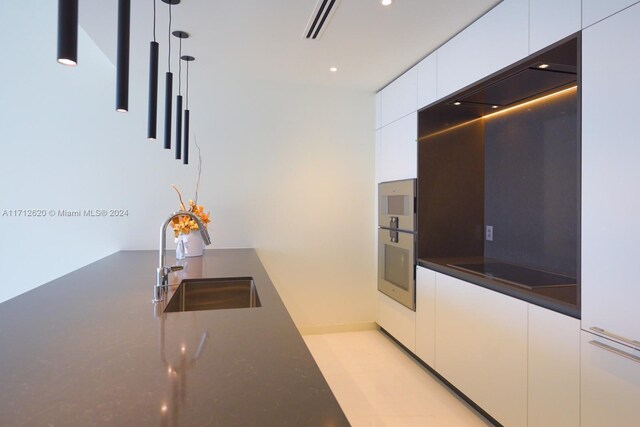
(396, 266)
(396, 204)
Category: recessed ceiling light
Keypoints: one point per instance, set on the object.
(457, 103)
(543, 66)
(386, 2)
(494, 106)
(333, 69)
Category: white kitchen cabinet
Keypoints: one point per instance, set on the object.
(397, 320)
(596, 10)
(497, 39)
(610, 175)
(427, 80)
(426, 315)
(554, 369)
(481, 347)
(400, 97)
(378, 110)
(552, 20)
(610, 383)
(398, 150)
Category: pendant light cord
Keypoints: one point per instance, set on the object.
(169, 57)
(180, 70)
(154, 20)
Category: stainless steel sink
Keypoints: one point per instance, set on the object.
(214, 294)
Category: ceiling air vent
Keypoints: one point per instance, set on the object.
(320, 17)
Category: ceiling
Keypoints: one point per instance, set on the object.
(370, 44)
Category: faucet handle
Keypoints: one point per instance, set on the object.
(164, 271)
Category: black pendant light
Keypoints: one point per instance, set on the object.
(181, 35)
(185, 141)
(68, 32)
(122, 67)
(168, 90)
(152, 122)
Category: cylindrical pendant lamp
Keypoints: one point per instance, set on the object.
(185, 142)
(180, 35)
(187, 113)
(68, 32)
(152, 122)
(178, 127)
(122, 67)
(168, 99)
(153, 91)
(168, 94)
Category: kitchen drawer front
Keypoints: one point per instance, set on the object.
(554, 369)
(610, 383)
(397, 320)
(481, 347)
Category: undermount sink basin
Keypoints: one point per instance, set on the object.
(214, 294)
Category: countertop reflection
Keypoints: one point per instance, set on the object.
(90, 349)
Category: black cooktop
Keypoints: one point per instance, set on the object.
(516, 275)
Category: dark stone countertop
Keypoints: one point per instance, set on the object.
(560, 299)
(88, 350)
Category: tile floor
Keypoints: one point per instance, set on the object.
(378, 384)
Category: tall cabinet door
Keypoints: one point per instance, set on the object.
(611, 175)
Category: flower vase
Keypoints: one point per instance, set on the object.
(189, 245)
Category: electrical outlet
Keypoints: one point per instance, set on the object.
(489, 233)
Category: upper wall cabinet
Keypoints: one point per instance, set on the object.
(596, 10)
(552, 20)
(378, 110)
(610, 175)
(427, 83)
(400, 97)
(498, 39)
(397, 149)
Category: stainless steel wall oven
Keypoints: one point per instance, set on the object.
(397, 241)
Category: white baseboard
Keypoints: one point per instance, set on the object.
(332, 329)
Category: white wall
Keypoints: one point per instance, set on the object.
(286, 169)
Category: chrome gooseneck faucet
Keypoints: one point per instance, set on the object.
(162, 282)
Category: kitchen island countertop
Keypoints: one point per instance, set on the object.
(89, 349)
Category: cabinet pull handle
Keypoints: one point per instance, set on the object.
(616, 337)
(616, 351)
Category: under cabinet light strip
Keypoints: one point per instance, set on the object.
(524, 104)
(506, 110)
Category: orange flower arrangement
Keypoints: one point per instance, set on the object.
(184, 224)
